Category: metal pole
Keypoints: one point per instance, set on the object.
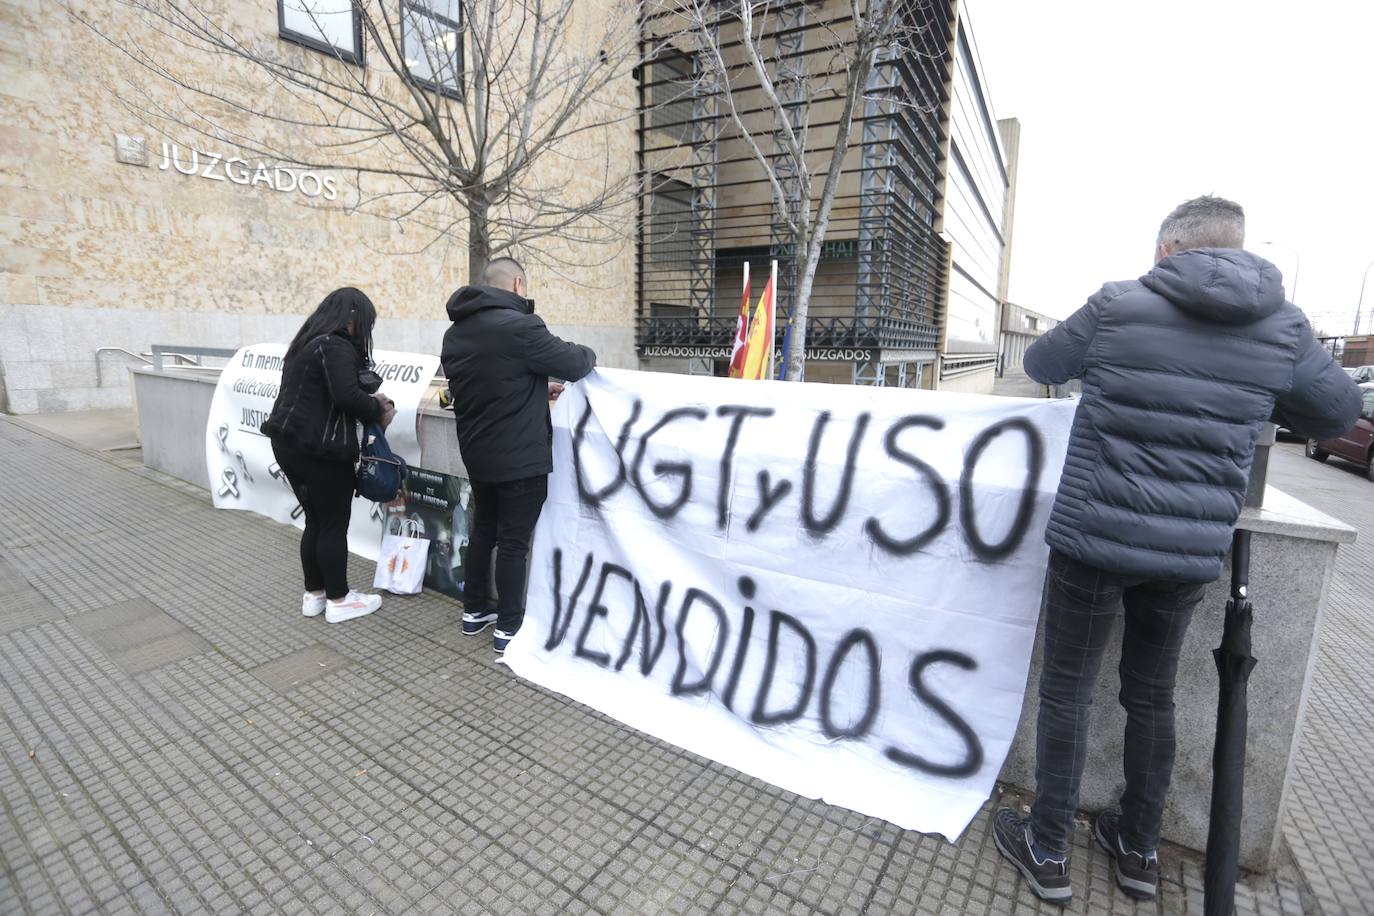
(1359, 304)
(1297, 266)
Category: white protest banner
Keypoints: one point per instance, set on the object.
(831, 588)
(238, 458)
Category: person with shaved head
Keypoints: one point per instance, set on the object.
(499, 358)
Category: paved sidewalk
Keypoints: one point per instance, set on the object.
(1327, 824)
(175, 737)
(1015, 383)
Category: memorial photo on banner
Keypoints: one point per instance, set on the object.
(440, 504)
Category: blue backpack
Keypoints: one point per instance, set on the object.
(381, 472)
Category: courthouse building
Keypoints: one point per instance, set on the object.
(120, 233)
(914, 265)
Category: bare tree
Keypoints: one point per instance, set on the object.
(738, 45)
(489, 120)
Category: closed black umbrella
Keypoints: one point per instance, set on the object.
(1234, 663)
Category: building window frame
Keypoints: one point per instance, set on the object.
(315, 43)
(670, 247)
(425, 9)
(670, 95)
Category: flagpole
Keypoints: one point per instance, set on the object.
(773, 310)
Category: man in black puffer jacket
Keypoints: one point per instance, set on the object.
(1181, 369)
(498, 358)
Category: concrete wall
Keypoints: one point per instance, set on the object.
(979, 382)
(49, 362)
(174, 407)
(173, 410)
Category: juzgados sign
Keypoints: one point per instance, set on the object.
(236, 170)
(819, 354)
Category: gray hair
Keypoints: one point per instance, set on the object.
(1204, 222)
(502, 272)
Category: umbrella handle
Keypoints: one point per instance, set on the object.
(1240, 565)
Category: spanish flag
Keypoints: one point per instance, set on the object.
(741, 330)
(758, 350)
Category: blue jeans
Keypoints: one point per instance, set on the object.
(1081, 604)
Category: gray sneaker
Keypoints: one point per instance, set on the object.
(1048, 878)
(1136, 874)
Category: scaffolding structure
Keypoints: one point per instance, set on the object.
(878, 294)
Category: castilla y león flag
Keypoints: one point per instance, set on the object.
(741, 330)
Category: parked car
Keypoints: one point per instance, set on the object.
(1361, 373)
(1356, 445)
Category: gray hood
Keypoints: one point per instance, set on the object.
(1219, 284)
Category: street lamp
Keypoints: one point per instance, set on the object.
(1293, 296)
(1359, 304)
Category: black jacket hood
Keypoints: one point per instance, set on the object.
(1220, 284)
(469, 300)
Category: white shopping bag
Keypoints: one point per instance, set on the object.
(401, 563)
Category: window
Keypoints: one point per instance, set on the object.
(670, 223)
(670, 96)
(432, 43)
(331, 26)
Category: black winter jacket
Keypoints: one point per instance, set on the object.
(498, 357)
(321, 403)
(1180, 371)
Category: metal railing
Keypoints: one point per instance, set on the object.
(826, 331)
(145, 358)
(160, 351)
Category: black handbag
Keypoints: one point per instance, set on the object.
(369, 381)
(381, 472)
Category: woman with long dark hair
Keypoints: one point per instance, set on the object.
(327, 390)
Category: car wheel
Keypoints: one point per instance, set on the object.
(1369, 467)
(1315, 453)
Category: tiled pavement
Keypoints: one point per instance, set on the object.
(1328, 826)
(175, 737)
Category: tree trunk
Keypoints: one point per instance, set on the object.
(813, 236)
(479, 239)
(806, 279)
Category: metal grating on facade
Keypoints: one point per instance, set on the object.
(878, 294)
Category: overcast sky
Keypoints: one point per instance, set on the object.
(1130, 107)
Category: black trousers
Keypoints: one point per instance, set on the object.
(503, 519)
(1081, 605)
(325, 491)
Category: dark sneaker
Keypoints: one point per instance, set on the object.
(1048, 878)
(1136, 874)
(475, 622)
(500, 639)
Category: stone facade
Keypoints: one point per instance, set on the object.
(96, 252)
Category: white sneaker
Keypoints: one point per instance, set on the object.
(312, 605)
(351, 606)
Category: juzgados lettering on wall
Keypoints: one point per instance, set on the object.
(236, 170)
